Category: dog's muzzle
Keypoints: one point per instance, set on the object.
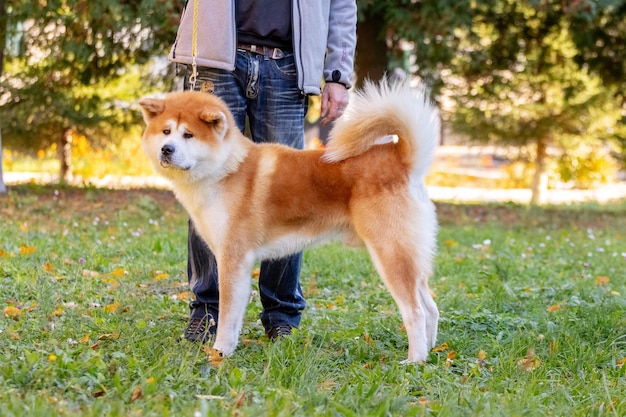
(169, 158)
(167, 151)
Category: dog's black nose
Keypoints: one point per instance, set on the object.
(167, 150)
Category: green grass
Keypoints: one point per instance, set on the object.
(533, 318)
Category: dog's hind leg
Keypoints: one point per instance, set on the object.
(402, 254)
(234, 286)
(400, 274)
(431, 310)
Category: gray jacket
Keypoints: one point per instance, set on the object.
(324, 39)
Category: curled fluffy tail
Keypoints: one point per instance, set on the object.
(382, 109)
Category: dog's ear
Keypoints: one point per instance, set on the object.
(151, 107)
(216, 119)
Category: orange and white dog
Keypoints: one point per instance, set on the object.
(250, 201)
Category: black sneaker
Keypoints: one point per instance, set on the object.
(200, 329)
(279, 331)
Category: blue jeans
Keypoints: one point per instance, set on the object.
(265, 91)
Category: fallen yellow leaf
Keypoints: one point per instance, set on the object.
(450, 358)
(441, 348)
(451, 243)
(161, 276)
(12, 312)
(553, 308)
(110, 308)
(215, 357)
(481, 358)
(530, 362)
(119, 272)
(27, 250)
(30, 307)
(109, 336)
(185, 295)
(113, 283)
(602, 280)
(137, 394)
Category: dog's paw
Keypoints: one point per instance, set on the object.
(418, 353)
(412, 362)
(227, 348)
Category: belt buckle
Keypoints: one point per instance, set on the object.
(277, 53)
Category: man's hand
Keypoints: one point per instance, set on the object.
(334, 101)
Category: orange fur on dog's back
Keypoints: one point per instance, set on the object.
(257, 201)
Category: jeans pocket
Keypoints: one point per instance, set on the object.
(285, 67)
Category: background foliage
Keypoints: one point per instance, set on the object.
(538, 73)
(74, 66)
(548, 75)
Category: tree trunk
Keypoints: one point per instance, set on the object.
(371, 60)
(539, 186)
(65, 157)
(3, 187)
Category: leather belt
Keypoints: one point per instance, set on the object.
(268, 51)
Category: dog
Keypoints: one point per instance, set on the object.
(251, 202)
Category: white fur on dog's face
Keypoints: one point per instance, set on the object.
(182, 147)
(174, 148)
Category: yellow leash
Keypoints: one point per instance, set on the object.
(194, 46)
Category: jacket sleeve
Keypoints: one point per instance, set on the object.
(341, 44)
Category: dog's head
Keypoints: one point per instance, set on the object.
(186, 134)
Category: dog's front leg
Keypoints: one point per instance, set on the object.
(234, 285)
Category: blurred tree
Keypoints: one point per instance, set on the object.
(548, 73)
(61, 58)
(600, 35)
(519, 83)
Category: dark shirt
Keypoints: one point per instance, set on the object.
(264, 22)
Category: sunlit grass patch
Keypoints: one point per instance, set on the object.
(95, 298)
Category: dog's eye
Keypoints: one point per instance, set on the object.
(187, 135)
(166, 131)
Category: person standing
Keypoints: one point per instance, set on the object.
(263, 58)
